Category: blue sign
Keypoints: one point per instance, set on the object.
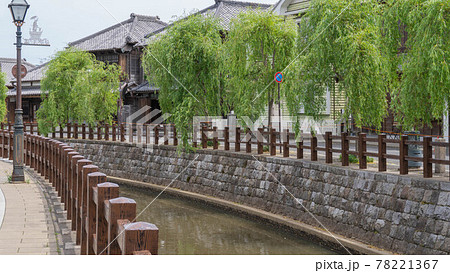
(279, 77)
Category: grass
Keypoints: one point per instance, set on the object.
(354, 159)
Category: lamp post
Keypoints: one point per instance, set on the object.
(19, 10)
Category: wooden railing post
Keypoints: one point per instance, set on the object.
(79, 196)
(215, 138)
(403, 154)
(362, 147)
(103, 192)
(237, 142)
(286, 143)
(122, 132)
(91, 213)
(427, 156)
(130, 133)
(11, 143)
(328, 148)
(204, 138)
(156, 135)
(136, 237)
(139, 133)
(273, 139)
(226, 137)
(73, 190)
(114, 136)
(83, 131)
(72, 187)
(300, 150)
(27, 150)
(166, 135)
(106, 131)
(61, 131)
(50, 158)
(382, 162)
(75, 130)
(84, 205)
(39, 151)
(260, 140)
(175, 136)
(344, 149)
(91, 133)
(99, 131)
(69, 130)
(248, 142)
(68, 189)
(1, 141)
(314, 148)
(65, 164)
(116, 209)
(148, 137)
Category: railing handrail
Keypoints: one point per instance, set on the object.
(271, 139)
(93, 204)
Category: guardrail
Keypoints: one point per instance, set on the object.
(103, 221)
(250, 142)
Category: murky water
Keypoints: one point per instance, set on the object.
(187, 227)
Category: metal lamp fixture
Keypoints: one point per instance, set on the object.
(19, 10)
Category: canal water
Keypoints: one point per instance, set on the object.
(188, 227)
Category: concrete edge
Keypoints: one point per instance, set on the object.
(2, 207)
(321, 234)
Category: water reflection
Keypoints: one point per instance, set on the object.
(188, 227)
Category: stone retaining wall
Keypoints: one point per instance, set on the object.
(397, 213)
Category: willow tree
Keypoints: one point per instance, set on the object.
(186, 63)
(339, 50)
(3, 90)
(78, 88)
(259, 44)
(419, 54)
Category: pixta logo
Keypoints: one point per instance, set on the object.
(141, 124)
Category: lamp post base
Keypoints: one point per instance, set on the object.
(18, 172)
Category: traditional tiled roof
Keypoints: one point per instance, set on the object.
(145, 87)
(128, 32)
(27, 91)
(225, 11)
(6, 65)
(35, 74)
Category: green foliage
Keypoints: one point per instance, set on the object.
(259, 44)
(79, 88)
(421, 87)
(339, 42)
(186, 63)
(3, 90)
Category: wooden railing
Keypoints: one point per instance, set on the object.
(271, 140)
(103, 221)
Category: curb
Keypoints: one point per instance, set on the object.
(2, 207)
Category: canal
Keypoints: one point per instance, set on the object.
(188, 227)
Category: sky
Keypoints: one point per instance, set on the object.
(64, 21)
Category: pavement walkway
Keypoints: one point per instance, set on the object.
(26, 225)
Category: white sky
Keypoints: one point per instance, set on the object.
(64, 21)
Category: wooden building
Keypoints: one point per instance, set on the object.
(122, 44)
(31, 94)
(6, 66)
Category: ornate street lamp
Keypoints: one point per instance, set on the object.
(19, 10)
